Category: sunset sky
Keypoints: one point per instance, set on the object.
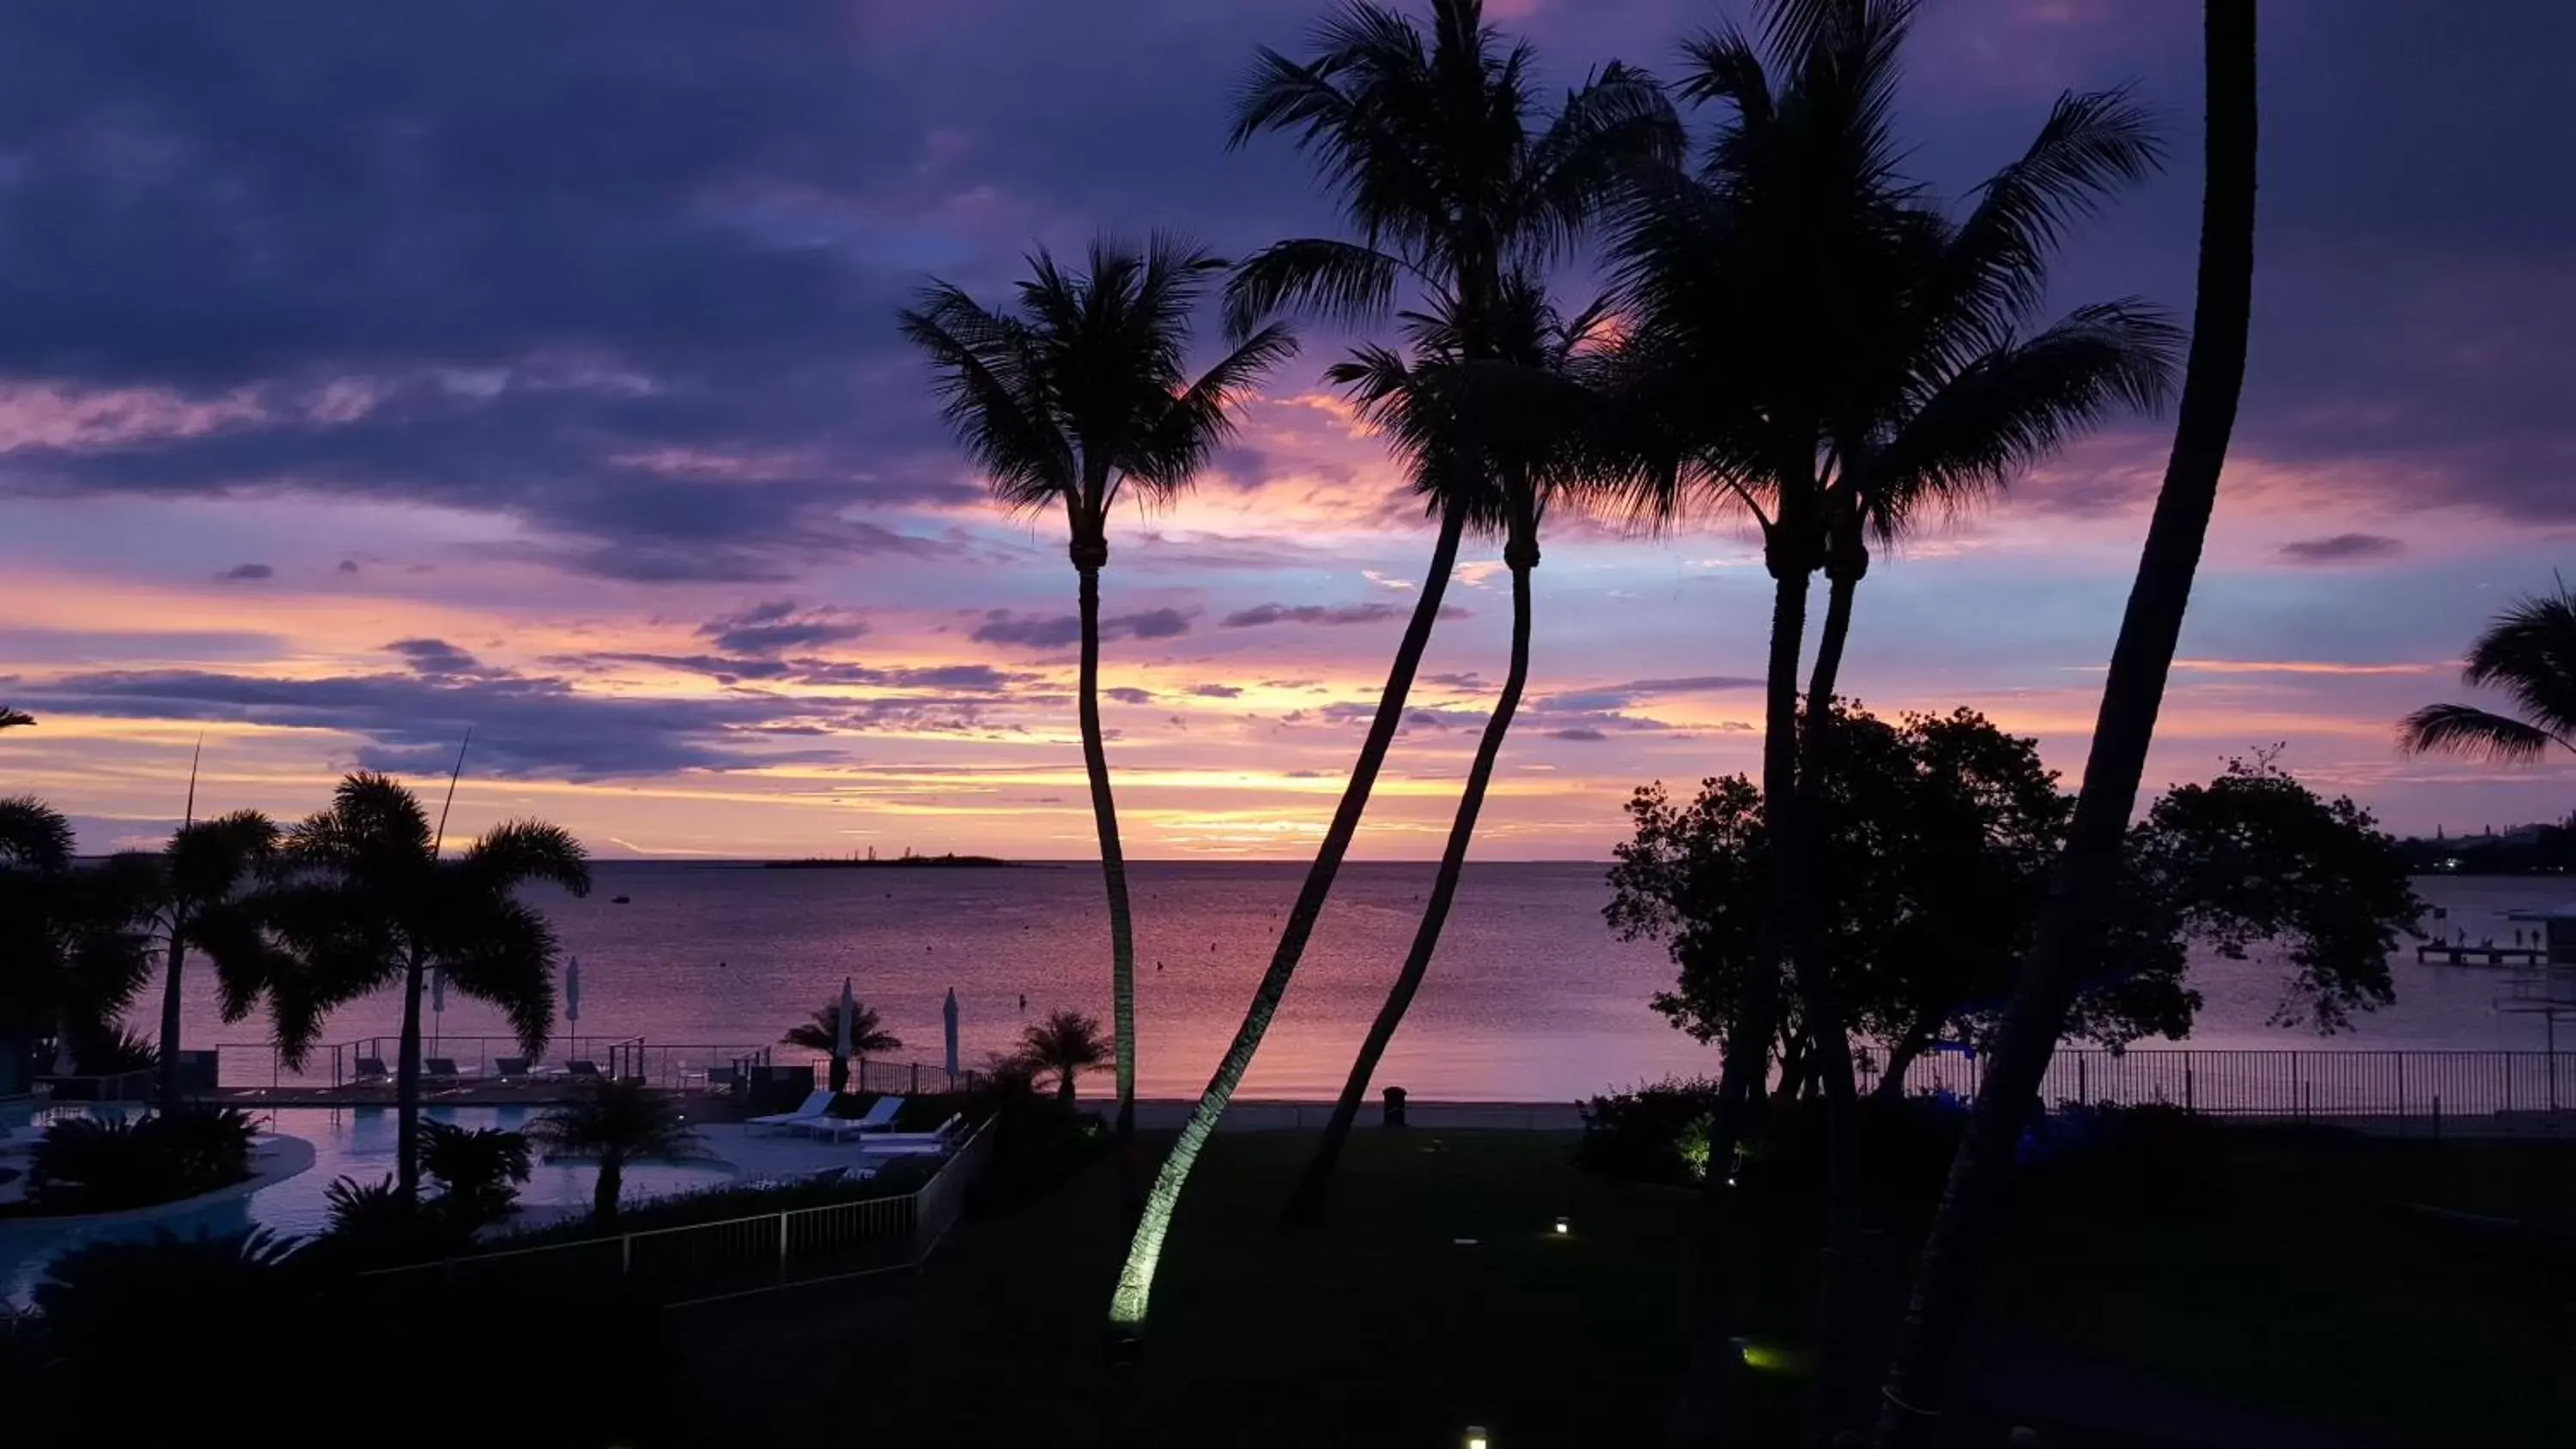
(369, 372)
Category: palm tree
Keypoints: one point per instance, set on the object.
(1515, 430)
(1077, 397)
(1451, 183)
(373, 903)
(2529, 652)
(1840, 356)
(2071, 927)
(193, 891)
(822, 1031)
(71, 957)
(477, 1169)
(12, 719)
(617, 1123)
(1065, 1043)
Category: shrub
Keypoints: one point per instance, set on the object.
(1654, 1132)
(478, 1170)
(372, 1225)
(92, 1164)
(107, 1307)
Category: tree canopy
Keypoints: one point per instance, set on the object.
(1939, 831)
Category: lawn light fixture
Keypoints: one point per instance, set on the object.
(1563, 1227)
(1476, 1437)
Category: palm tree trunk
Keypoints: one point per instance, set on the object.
(1306, 1203)
(407, 1087)
(1113, 873)
(1136, 1279)
(603, 1194)
(1727, 1258)
(176, 959)
(1838, 1280)
(2070, 929)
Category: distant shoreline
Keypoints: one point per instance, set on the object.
(896, 862)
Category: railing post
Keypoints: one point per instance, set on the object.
(625, 1255)
(2188, 1102)
(782, 1247)
(916, 1079)
(2083, 1091)
(2401, 1084)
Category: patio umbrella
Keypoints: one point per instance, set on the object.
(841, 1038)
(948, 1016)
(437, 1006)
(572, 1002)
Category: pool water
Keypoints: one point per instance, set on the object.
(353, 1142)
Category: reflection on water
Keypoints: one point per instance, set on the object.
(352, 1142)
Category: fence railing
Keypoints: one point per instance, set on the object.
(2256, 1083)
(706, 1261)
(672, 1065)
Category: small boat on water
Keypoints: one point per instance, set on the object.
(621, 900)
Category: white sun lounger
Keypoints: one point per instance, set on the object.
(813, 1108)
(880, 1113)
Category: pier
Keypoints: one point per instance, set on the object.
(2488, 954)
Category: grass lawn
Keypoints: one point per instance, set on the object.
(2295, 1290)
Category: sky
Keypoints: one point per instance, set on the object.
(370, 373)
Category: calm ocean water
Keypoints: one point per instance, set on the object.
(1531, 998)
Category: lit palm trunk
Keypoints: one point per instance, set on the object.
(2070, 930)
(1136, 1280)
(1113, 874)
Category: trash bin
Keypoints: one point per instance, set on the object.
(1394, 1107)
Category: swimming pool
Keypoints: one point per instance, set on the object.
(347, 1142)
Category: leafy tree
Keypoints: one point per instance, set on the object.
(616, 1123)
(1454, 182)
(372, 903)
(2529, 652)
(1939, 833)
(1077, 397)
(2073, 924)
(1066, 1043)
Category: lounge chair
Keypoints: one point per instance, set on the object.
(440, 1070)
(582, 1070)
(509, 1069)
(878, 1117)
(817, 1103)
(371, 1069)
(724, 1079)
(938, 1137)
(826, 1177)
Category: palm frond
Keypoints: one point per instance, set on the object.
(522, 852)
(501, 952)
(991, 394)
(2529, 652)
(11, 719)
(2005, 410)
(33, 834)
(2091, 146)
(1338, 281)
(2465, 729)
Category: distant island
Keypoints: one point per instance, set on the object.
(872, 860)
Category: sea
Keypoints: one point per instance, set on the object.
(1531, 998)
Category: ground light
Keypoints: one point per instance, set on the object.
(1563, 1227)
(1476, 1437)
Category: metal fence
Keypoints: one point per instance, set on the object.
(2289, 1083)
(331, 1066)
(703, 1262)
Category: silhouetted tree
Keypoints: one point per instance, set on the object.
(72, 957)
(1077, 397)
(615, 1123)
(192, 890)
(1514, 431)
(1066, 1043)
(1454, 182)
(372, 903)
(2071, 927)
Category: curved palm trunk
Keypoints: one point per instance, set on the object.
(1838, 1279)
(2070, 929)
(1136, 1279)
(407, 1088)
(1113, 872)
(177, 959)
(1306, 1203)
(1727, 1258)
